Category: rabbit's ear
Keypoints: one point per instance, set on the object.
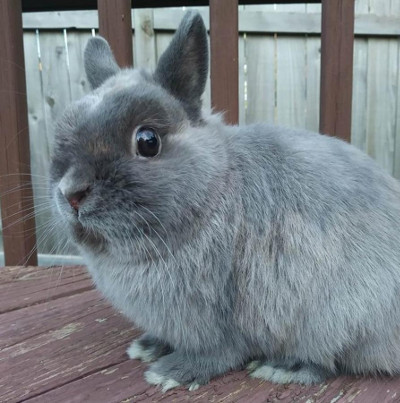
(183, 67)
(99, 61)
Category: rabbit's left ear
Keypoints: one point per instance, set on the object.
(183, 67)
(99, 61)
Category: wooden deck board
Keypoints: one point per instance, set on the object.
(61, 342)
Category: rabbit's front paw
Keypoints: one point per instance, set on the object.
(147, 348)
(153, 378)
(177, 369)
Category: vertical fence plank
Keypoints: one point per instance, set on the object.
(381, 93)
(115, 24)
(145, 42)
(337, 67)
(260, 59)
(54, 70)
(359, 116)
(360, 69)
(313, 74)
(18, 231)
(395, 10)
(224, 58)
(313, 8)
(38, 139)
(242, 110)
(396, 167)
(381, 101)
(76, 45)
(291, 81)
(207, 91)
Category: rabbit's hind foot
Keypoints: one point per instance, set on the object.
(284, 372)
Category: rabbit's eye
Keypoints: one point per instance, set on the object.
(148, 142)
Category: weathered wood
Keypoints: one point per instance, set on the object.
(115, 24)
(224, 58)
(313, 8)
(34, 320)
(396, 168)
(76, 45)
(73, 349)
(292, 8)
(241, 81)
(313, 80)
(38, 139)
(21, 287)
(123, 382)
(46, 5)
(261, 63)
(251, 20)
(145, 40)
(15, 182)
(360, 84)
(337, 67)
(291, 81)
(382, 94)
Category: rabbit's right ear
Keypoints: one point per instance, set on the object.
(99, 61)
(183, 67)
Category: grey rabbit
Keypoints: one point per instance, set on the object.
(257, 246)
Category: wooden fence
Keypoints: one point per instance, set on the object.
(279, 73)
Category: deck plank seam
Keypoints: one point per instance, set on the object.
(82, 376)
(49, 330)
(53, 298)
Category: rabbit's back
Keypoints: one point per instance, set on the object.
(330, 237)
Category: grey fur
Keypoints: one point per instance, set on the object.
(183, 67)
(235, 243)
(99, 61)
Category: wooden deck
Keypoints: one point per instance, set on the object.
(61, 342)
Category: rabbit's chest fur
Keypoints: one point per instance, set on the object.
(179, 299)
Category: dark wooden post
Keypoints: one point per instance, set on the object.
(337, 67)
(15, 181)
(224, 58)
(115, 25)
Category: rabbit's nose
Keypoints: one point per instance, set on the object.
(77, 198)
(74, 191)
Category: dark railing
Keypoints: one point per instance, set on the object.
(116, 26)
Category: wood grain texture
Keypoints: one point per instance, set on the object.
(360, 97)
(291, 81)
(72, 349)
(261, 78)
(252, 19)
(38, 138)
(224, 58)
(115, 24)
(313, 79)
(382, 102)
(337, 67)
(46, 5)
(21, 287)
(145, 40)
(18, 222)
